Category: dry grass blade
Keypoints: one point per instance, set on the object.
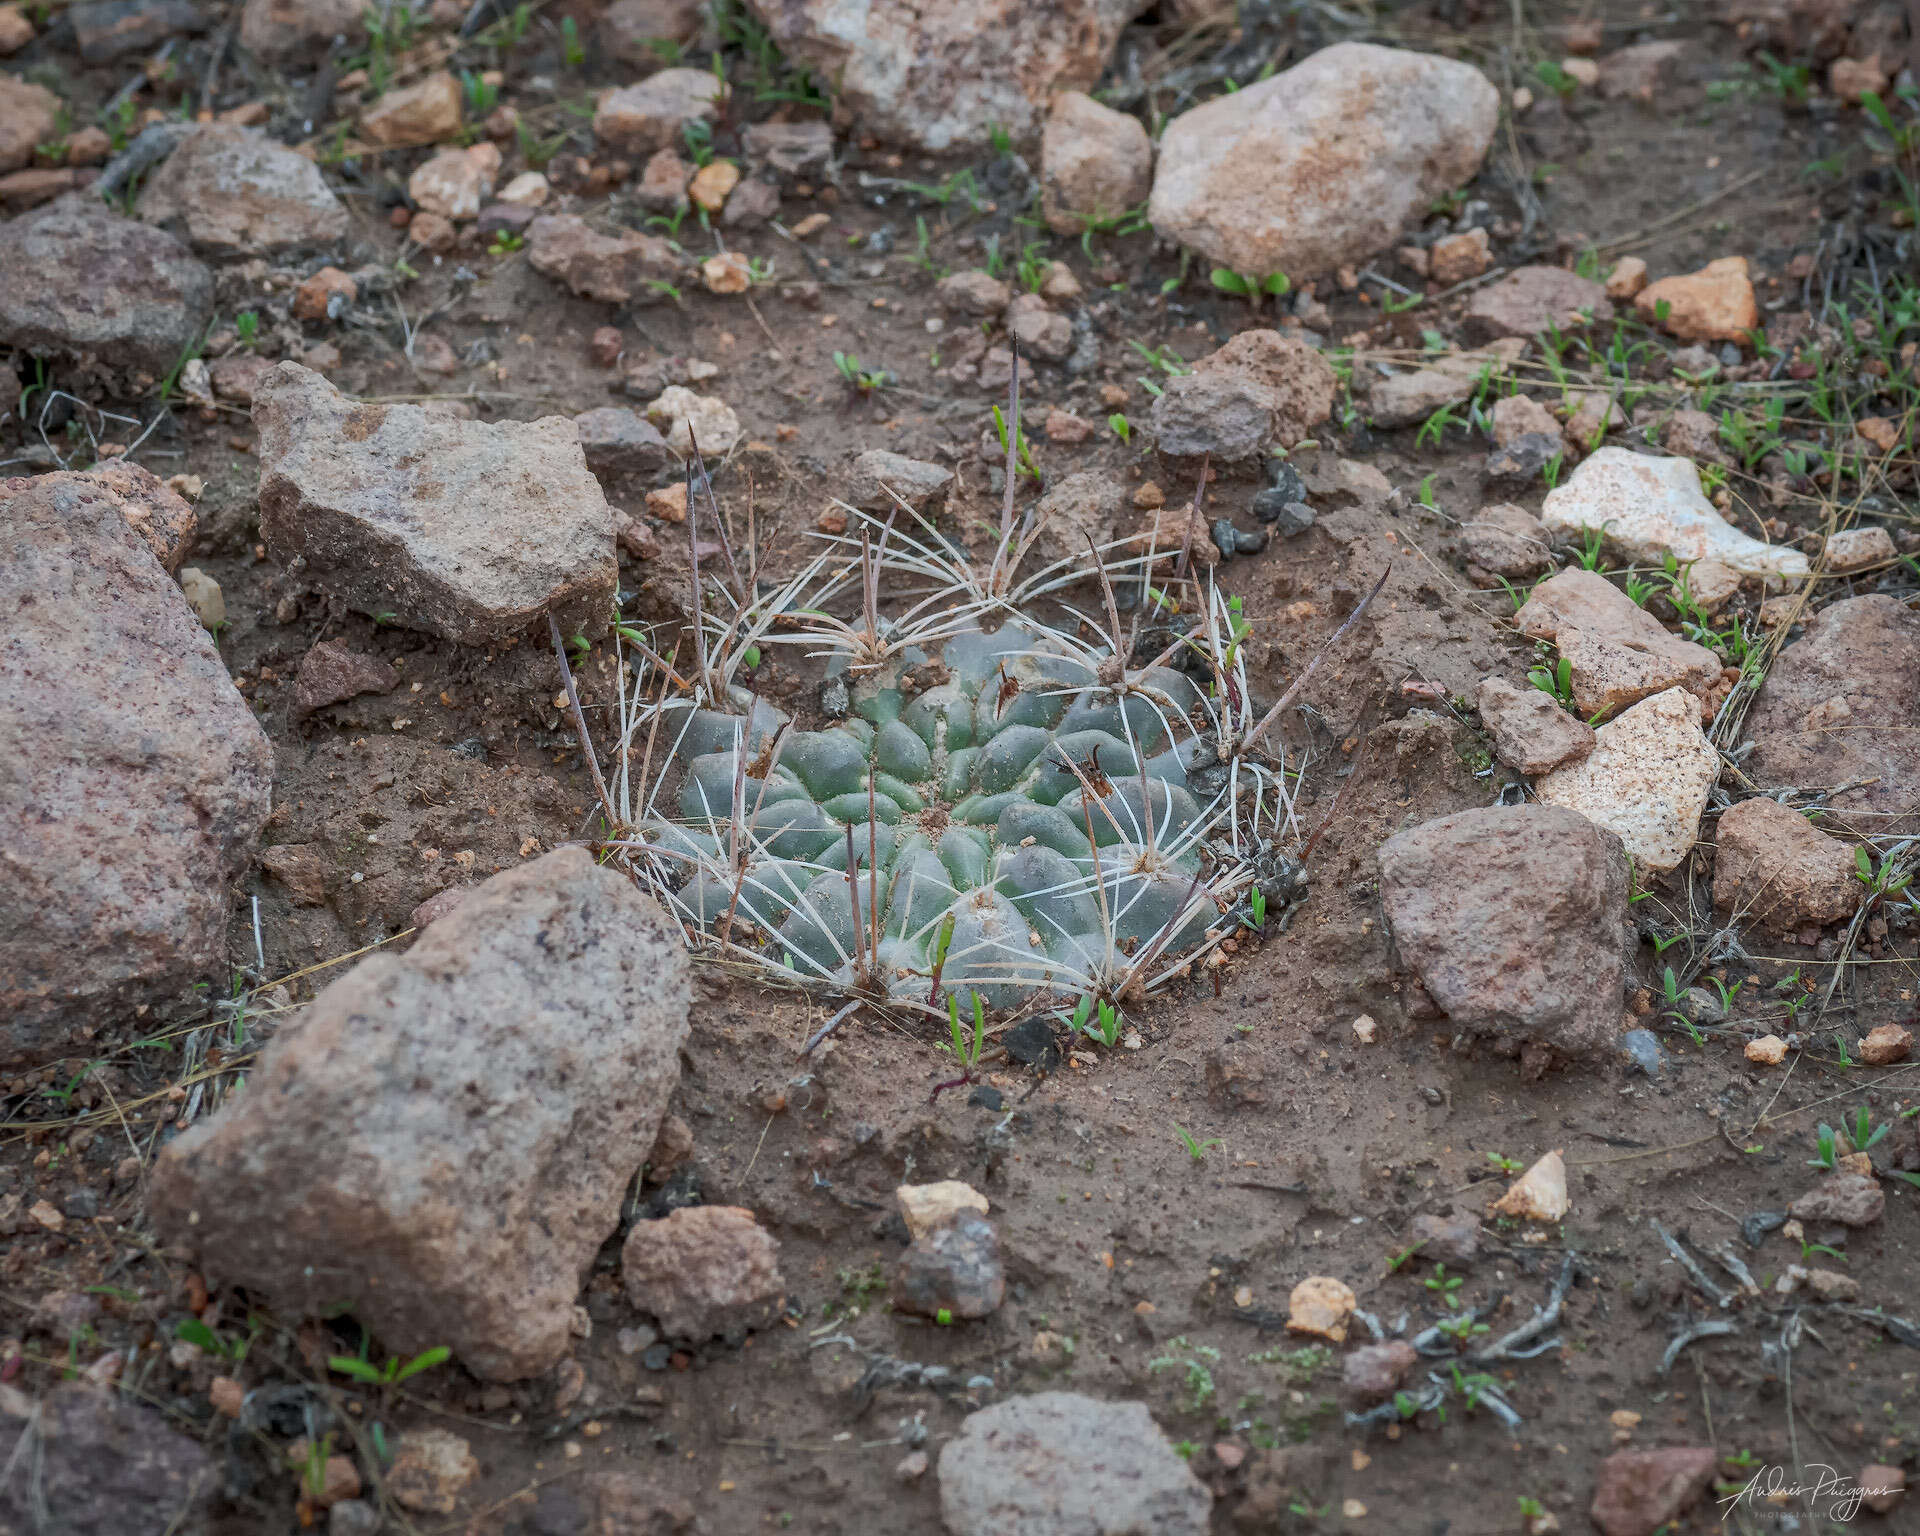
(580, 723)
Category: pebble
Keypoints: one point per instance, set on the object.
(1644, 1051)
(953, 1268)
(1767, 1051)
(1886, 1044)
(1539, 1194)
(1320, 1305)
(1714, 304)
(925, 1206)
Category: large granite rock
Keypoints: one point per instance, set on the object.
(233, 191)
(444, 1141)
(469, 530)
(943, 77)
(1515, 920)
(133, 777)
(1842, 705)
(89, 288)
(1323, 164)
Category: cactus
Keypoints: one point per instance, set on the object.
(1011, 823)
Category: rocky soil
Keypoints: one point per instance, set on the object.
(1487, 431)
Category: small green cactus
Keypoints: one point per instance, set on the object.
(994, 780)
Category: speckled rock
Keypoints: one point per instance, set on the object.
(1651, 507)
(231, 191)
(1530, 731)
(1260, 391)
(1617, 653)
(485, 1098)
(1515, 920)
(1060, 1464)
(1095, 163)
(469, 530)
(110, 294)
(1646, 779)
(1325, 163)
(1775, 868)
(133, 776)
(704, 1270)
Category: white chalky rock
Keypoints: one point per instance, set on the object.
(1651, 507)
(1646, 780)
(1540, 1194)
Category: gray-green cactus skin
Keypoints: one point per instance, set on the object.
(949, 787)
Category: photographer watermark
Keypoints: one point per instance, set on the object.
(1815, 1489)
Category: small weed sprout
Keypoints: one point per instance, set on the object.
(1252, 289)
(1828, 1143)
(1122, 428)
(391, 1374)
(1445, 1286)
(1196, 1365)
(861, 380)
(1197, 1150)
(1096, 1018)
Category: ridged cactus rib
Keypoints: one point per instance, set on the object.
(960, 788)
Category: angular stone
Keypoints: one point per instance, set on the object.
(1505, 540)
(1455, 258)
(1714, 304)
(1530, 731)
(1095, 163)
(1857, 549)
(1515, 920)
(28, 115)
(1413, 396)
(878, 476)
(1530, 300)
(110, 294)
(704, 1270)
(1539, 1194)
(615, 269)
(1637, 1492)
(1260, 391)
(455, 182)
(429, 1470)
(687, 418)
(1838, 707)
(297, 31)
(236, 376)
(330, 673)
(303, 869)
(1886, 1044)
(618, 441)
(953, 1268)
(1646, 779)
(973, 292)
(1517, 415)
(943, 77)
(636, 120)
(105, 30)
(1320, 1305)
(232, 191)
(485, 1096)
(1041, 333)
(469, 530)
(1373, 1372)
(1851, 1199)
(1054, 1463)
(1773, 867)
(21, 190)
(630, 29)
(1617, 653)
(1649, 508)
(1325, 163)
(101, 1463)
(924, 1206)
(133, 777)
(793, 149)
(426, 113)
(1639, 71)
(1452, 1240)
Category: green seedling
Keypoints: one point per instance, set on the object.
(1863, 1133)
(246, 327)
(1122, 428)
(1252, 289)
(862, 381)
(1505, 1164)
(1426, 492)
(193, 1331)
(1556, 682)
(1828, 1143)
(1256, 908)
(1096, 1018)
(1195, 1366)
(1554, 78)
(481, 94)
(1164, 358)
(570, 49)
(1197, 1150)
(1444, 1286)
(393, 1372)
(505, 243)
(1024, 463)
(1031, 271)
